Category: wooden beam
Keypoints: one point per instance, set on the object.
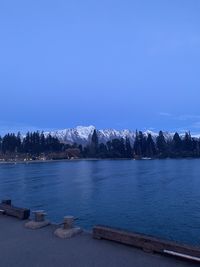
(147, 243)
(10, 210)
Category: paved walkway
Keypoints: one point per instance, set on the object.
(40, 248)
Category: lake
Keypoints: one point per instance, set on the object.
(156, 197)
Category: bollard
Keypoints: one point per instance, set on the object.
(68, 222)
(39, 220)
(39, 215)
(68, 230)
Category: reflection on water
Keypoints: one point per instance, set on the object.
(157, 197)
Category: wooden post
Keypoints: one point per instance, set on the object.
(68, 222)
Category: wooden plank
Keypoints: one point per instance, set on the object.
(20, 213)
(145, 242)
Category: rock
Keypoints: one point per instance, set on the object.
(36, 225)
(67, 233)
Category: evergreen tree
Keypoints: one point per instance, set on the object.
(117, 148)
(103, 151)
(18, 142)
(195, 148)
(94, 144)
(42, 143)
(137, 145)
(122, 148)
(161, 144)
(187, 145)
(177, 145)
(26, 143)
(129, 152)
(143, 142)
(9, 143)
(140, 144)
(151, 149)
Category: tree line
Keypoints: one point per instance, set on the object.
(145, 146)
(36, 143)
(33, 143)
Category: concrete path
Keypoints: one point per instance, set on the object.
(40, 248)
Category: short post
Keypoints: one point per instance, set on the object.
(68, 229)
(68, 222)
(39, 220)
(39, 215)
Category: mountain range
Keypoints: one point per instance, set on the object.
(82, 134)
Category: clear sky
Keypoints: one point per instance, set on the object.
(114, 64)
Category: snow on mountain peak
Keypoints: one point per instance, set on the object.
(79, 135)
(82, 134)
(85, 131)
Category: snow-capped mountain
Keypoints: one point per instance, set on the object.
(79, 135)
(82, 134)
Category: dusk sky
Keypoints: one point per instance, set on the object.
(109, 63)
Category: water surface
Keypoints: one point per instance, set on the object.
(157, 197)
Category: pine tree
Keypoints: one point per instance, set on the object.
(137, 146)
(176, 145)
(187, 145)
(94, 144)
(18, 142)
(140, 145)
(151, 149)
(117, 148)
(103, 151)
(129, 152)
(161, 144)
(42, 143)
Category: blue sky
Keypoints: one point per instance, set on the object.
(114, 64)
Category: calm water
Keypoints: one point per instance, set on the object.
(157, 197)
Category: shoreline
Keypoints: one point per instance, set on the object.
(59, 160)
(25, 246)
(89, 159)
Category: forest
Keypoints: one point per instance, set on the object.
(36, 144)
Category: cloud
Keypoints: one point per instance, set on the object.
(166, 114)
(196, 125)
(185, 122)
(183, 117)
(187, 117)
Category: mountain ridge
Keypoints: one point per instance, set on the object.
(82, 134)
